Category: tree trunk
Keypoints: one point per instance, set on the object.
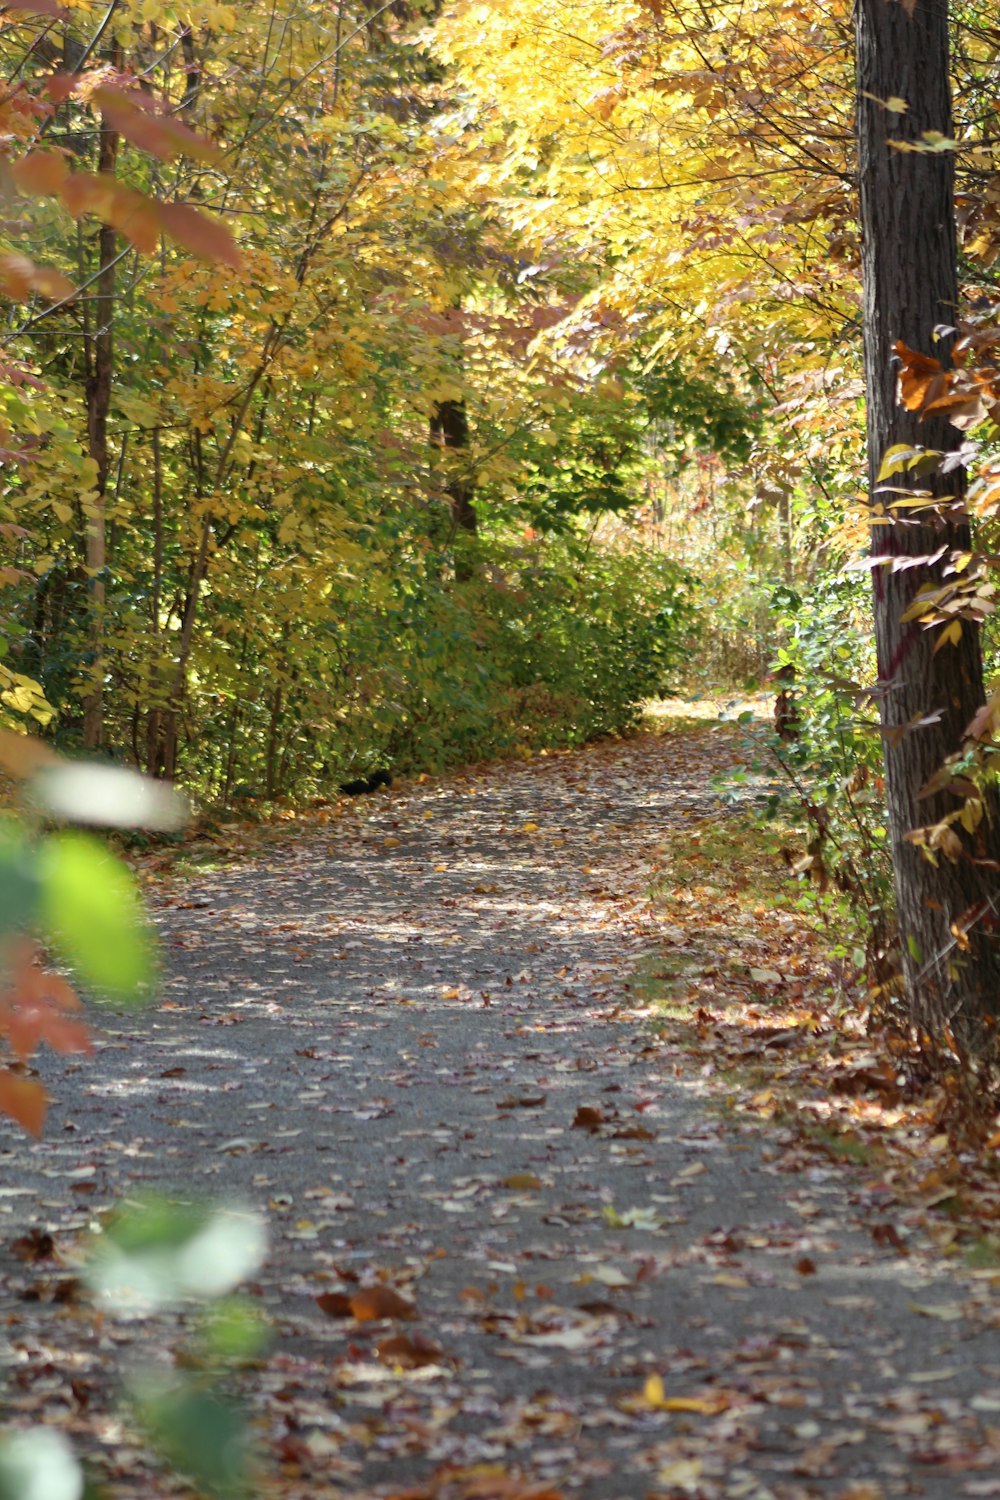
(450, 433)
(910, 287)
(100, 370)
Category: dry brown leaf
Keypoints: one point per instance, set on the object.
(380, 1301)
(334, 1304)
(409, 1352)
(588, 1117)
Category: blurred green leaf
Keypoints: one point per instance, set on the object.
(234, 1332)
(91, 912)
(200, 1434)
(19, 890)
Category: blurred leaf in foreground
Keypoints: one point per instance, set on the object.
(158, 1253)
(92, 914)
(200, 1434)
(39, 1465)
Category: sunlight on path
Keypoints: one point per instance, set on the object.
(416, 1038)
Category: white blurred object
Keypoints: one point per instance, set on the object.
(229, 1245)
(109, 796)
(39, 1465)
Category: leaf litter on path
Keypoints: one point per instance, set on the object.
(518, 1251)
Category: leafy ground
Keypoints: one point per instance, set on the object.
(536, 1062)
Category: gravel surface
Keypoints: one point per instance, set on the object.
(416, 1038)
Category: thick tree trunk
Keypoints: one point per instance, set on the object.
(910, 287)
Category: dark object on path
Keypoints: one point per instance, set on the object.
(363, 784)
(786, 710)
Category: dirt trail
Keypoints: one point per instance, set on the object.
(412, 1037)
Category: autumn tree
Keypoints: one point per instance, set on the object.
(930, 681)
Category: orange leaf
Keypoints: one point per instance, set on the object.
(380, 1301)
(23, 1100)
(136, 216)
(41, 172)
(19, 277)
(159, 133)
(922, 378)
(87, 193)
(64, 1036)
(204, 237)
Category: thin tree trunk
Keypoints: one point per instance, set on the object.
(100, 369)
(928, 697)
(272, 759)
(155, 605)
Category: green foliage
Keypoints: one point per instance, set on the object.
(700, 412)
(151, 1255)
(830, 762)
(160, 1251)
(38, 1464)
(90, 911)
(199, 1433)
(553, 642)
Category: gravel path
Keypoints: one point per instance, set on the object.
(414, 1038)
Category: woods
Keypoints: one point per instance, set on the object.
(356, 359)
(391, 388)
(397, 403)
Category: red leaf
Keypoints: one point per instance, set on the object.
(59, 86)
(204, 237)
(23, 1100)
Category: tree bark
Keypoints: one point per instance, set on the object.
(100, 371)
(910, 288)
(450, 431)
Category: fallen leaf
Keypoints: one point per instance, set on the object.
(683, 1474)
(380, 1301)
(334, 1304)
(610, 1276)
(36, 1245)
(654, 1394)
(410, 1353)
(947, 1312)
